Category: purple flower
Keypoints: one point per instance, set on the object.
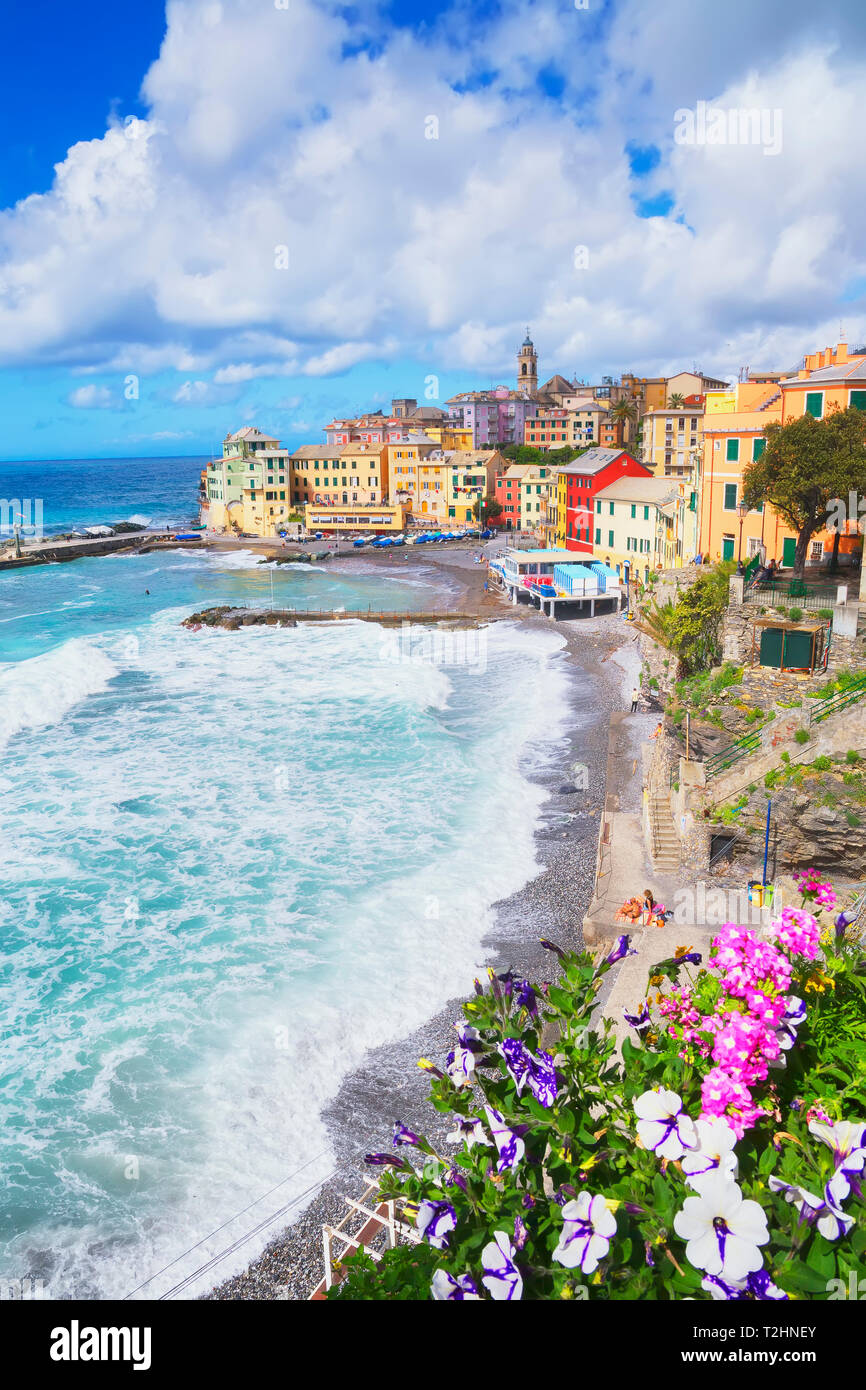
(469, 1037)
(501, 1277)
(551, 946)
(587, 1227)
(524, 1068)
(445, 1288)
(792, 1018)
(639, 1021)
(469, 1130)
(435, 1221)
(454, 1178)
(521, 1235)
(460, 1064)
(757, 1286)
(663, 1126)
(528, 1202)
(402, 1135)
(690, 958)
(386, 1160)
(619, 949)
(843, 921)
(509, 1145)
(824, 1212)
(525, 997)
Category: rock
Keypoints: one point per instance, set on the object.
(567, 789)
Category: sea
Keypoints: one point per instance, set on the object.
(233, 863)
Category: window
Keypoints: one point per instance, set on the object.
(598, 535)
(646, 513)
(633, 509)
(610, 538)
(732, 450)
(610, 508)
(758, 447)
(730, 502)
(858, 400)
(815, 404)
(598, 507)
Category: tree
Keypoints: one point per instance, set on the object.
(624, 412)
(676, 400)
(486, 511)
(806, 467)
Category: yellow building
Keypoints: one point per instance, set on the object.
(248, 490)
(471, 475)
(641, 525)
(340, 474)
(733, 439)
(575, 427)
(383, 518)
(673, 441)
(402, 460)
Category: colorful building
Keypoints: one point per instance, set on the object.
(492, 418)
(578, 485)
(732, 439)
(403, 459)
(555, 427)
(247, 491)
(522, 492)
(643, 524)
(350, 474)
(673, 438)
(471, 476)
(383, 519)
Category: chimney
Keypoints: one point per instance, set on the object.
(841, 354)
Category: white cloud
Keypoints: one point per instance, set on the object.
(161, 244)
(91, 398)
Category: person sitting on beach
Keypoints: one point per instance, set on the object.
(649, 903)
(657, 729)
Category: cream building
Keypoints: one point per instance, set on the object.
(643, 524)
(673, 442)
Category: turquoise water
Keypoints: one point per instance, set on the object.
(234, 862)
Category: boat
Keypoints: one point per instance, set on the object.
(358, 543)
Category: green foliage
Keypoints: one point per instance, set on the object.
(852, 756)
(488, 511)
(786, 757)
(806, 464)
(852, 820)
(801, 736)
(583, 1139)
(795, 614)
(825, 613)
(823, 763)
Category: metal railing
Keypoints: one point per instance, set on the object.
(727, 757)
(792, 594)
(822, 709)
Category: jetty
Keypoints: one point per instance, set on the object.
(233, 617)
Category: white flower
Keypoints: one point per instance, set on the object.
(722, 1228)
(461, 1066)
(844, 1137)
(587, 1227)
(501, 1276)
(662, 1126)
(471, 1131)
(825, 1211)
(716, 1142)
(445, 1288)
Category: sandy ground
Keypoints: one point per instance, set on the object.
(601, 661)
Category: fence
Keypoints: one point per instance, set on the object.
(727, 757)
(792, 594)
(379, 1226)
(822, 709)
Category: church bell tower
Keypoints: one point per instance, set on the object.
(527, 367)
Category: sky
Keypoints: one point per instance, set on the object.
(223, 212)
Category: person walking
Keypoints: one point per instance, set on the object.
(635, 696)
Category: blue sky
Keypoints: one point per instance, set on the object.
(278, 211)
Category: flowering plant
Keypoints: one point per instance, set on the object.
(719, 1155)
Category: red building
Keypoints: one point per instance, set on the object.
(579, 483)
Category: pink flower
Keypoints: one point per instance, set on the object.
(798, 932)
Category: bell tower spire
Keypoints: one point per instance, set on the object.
(527, 367)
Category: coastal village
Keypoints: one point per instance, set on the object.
(638, 473)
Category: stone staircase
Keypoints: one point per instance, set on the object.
(664, 841)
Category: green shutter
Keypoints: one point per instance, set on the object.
(610, 506)
(732, 450)
(858, 400)
(789, 550)
(633, 509)
(727, 547)
(646, 513)
(730, 502)
(758, 447)
(610, 538)
(598, 535)
(815, 403)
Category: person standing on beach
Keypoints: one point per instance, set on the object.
(635, 696)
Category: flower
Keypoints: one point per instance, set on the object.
(662, 1126)
(435, 1221)
(793, 1017)
(524, 996)
(384, 1160)
(846, 1138)
(552, 946)
(826, 1212)
(521, 1235)
(723, 1230)
(470, 1131)
(402, 1135)
(501, 1276)
(758, 1286)
(638, 1021)
(524, 1068)
(716, 1141)
(619, 949)
(445, 1287)
(798, 932)
(460, 1064)
(509, 1145)
(587, 1227)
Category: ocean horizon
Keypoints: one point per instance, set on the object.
(74, 493)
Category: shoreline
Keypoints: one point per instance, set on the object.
(388, 1084)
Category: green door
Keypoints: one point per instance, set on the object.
(727, 547)
(771, 646)
(789, 549)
